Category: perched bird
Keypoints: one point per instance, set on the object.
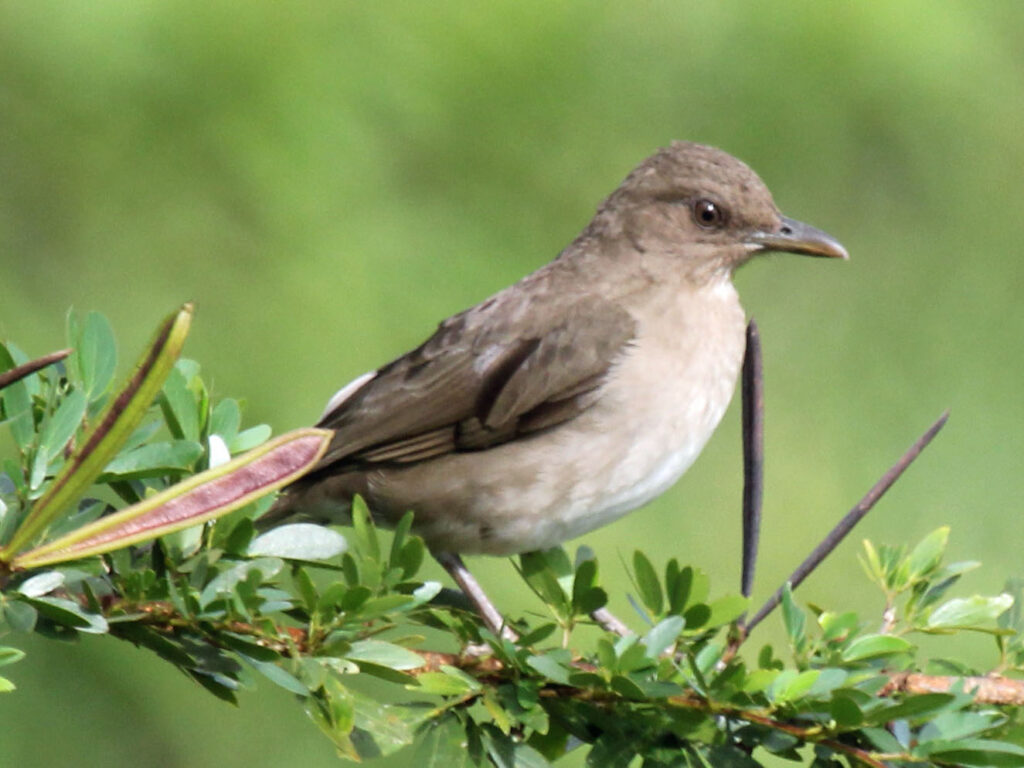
(573, 396)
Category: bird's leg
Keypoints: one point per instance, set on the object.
(457, 569)
(493, 619)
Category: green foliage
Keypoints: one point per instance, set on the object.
(313, 611)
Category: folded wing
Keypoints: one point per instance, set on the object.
(504, 368)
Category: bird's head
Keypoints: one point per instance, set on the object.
(701, 205)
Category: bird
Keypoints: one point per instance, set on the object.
(573, 396)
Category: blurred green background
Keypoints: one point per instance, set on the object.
(327, 180)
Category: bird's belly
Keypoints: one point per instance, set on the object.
(644, 467)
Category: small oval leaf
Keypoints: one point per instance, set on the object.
(871, 646)
(299, 541)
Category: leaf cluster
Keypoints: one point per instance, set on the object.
(315, 611)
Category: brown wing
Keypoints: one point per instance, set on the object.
(511, 365)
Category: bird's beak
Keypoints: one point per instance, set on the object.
(796, 237)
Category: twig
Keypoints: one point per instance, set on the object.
(27, 369)
(990, 689)
(609, 622)
(753, 454)
(164, 617)
(852, 517)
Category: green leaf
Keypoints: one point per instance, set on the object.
(647, 583)
(612, 751)
(225, 583)
(537, 572)
(538, 635)
(958, 725)
(726, 609)
(398, 539)
(382, 729)
(836, 628)
(6, 686)
(17, 403)
(19, 616)
(606, 656)
(872, 563)
(444, 683)
(627, 688)
(941, 581)
(794, 687)
(590, 601)
(585, 592)
(424, 593)
(983, 753)
(96, 354)
(305, 588)
(333, 710)
(441, 743)
(249, 438)
(226, 419)
(911, 708)
(874, 646)
(180, 407)
(69, 613)
(366, 533)
(37, 473)
(707, 658)
(780, 683)
(499, 715)
(779, 743)
(528, 757)
(700, 586)
(696, 616)
(632, 655)
(201, 497)
(559, 564)
(507, 752)
(663, 635)
(759, 680)
(794, 619)
(245, 646)
(41, 584)
(928, 554)
(678, 583)
(384, 653)
(117, 422)
(10, 655)
(829, 678)
(299, 541)
(551, 666)
(62, 425)
(411, 558)
(845, 712)
(969, 612)
(278, 675)
(153, 460)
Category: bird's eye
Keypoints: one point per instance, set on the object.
(708, 214)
